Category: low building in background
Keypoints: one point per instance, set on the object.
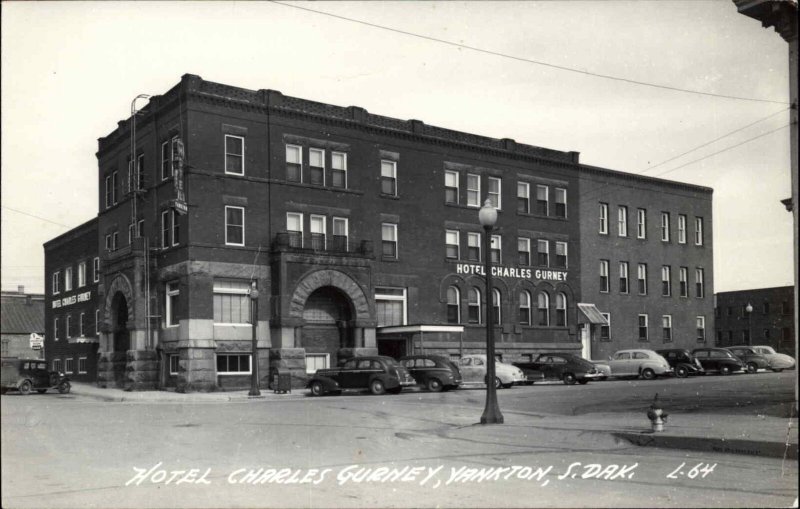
(769, 322)
(22, 319)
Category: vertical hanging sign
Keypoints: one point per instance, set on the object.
(179, 202)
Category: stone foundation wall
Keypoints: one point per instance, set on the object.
(197, 370)
(292, 360)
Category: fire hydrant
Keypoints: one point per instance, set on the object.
(657, 415)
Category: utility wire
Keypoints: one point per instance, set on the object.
(37, 217)
(527, 60)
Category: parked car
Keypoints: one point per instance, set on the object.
(752, 361)
(566, 367)
(431, 371)
(777, 361)
(638, 362)
(26, 375)
(682, 361)
(718, 360)
(379, 374)
(473, 370)
(603, 368)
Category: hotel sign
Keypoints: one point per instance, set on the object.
(513, 272)
(74, 299)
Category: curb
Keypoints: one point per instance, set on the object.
(216, 398)
(710, 444)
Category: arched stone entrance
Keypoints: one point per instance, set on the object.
(121, 340)
(328, 327)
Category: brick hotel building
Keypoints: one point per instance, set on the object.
(361, 235)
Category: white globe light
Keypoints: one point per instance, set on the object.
(488, 214)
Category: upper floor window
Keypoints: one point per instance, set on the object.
(473, 190)
(56, 332)
(451, 244)
(451, 186)
(389, 240)
(319, 231)
(68, 279)
(474, 306)
(681, 229)
(641, 224)
(683, 276)
(523, 197)
(604, 276)
(666, 326)
(453, 305)
(666, 281)
(623, 277)
(698, 231)
(341, 233)
(699, 281)
(68, 326)
(561, 202)
(294, 163)
(339, 170)
(544, 308)
(389, 178)
(474, 246)
(167, 155)
(316, 166)
(234, 155)
(496, 318)
(603, 218)
(622, 221)
(170, 228)
(524, 308)
(96, 270)
(561, 310)
(643, 326)
(701, 329)
(114, 187)
(294, 226)
(495, 185)
(561, 255)
(55, 288)
(543, 250)
(524, 251)
(137, 177)
(81, 274)
(665, 226)
(108, 194)
(542, 200)
(172, 294)
(642, 277)
(234, 226)
(496, 249)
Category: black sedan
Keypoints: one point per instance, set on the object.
(565, 367)
(379, 374)
(718, 360)
(431, 371)
(752, 360)
(682, 361)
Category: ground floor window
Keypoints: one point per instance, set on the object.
(605, 329)
(173, 363)
(57, 365)
(82, 365)
(68, 365)
(233, 364)
(315, 361)
(390, 306)
(231, 302)
(701, 328)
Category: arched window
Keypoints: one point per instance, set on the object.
(496, 306)
(524, 308)
(544, 309)
(474, 305)
(453, 305)
(561, 310)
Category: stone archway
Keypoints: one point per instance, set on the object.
(118, 320)
(120, 335)
(339, 280)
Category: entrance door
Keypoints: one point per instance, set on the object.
(327, 316)
(586, 341)
(394, 348)
(119, 313)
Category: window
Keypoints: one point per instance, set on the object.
(474, 306)
(96, 269)
(473, 190)
(699, 281)
(542, 200)
(234, 155)
(544, 308)
(96, 322)
(114, 184)
(561, 255)
(316, 166)
(315, 361)
(294, 163)
(698, 231)
(543, 250)
(495, 185)
(603, 218)
(81, 365)
(524, 251)
(391, 306)
(339, 170)
(233, 364)
(231, 302)
(167, 155)
(765, 308)
(453, 305)
(68, 279)
(318, 232)
(474, 246)
(681, 229)
(389, 240)
(131, 228)
(605, 329)
(496, 316)
(165, 229)
(140, 228)
(451, 244)
(641, 224)
(57, 365)
(622, 221)
(294, 226)
(666, 281)
(451, 186)
(176, 227)
(683, 275)
(80, 324)
(55, 285)
(172, 294)
(524, 308)
(68, 326)
(642, 276)
(137, 176)
(496, 249)
(109, 201)
(523, 197)
(56, 332)
(642, 327)
(666, 327)
(69, 365)
(665, 226)
(701, 329)
(561, 202)
(561, 310)
(389, 178)
(604, 276)
(174, 363)
(340, 234)
(623, 277)
(114, 241)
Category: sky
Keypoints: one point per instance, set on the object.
(71, 69)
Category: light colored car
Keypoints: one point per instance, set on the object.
(473, 370)
(777, 361)
(638, 362)
(603, 368)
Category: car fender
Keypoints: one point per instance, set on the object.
(390, 382)
(328, 383)
(22, 381)
(655, 366)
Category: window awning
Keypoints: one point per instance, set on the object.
(405, 329)
(590, 314)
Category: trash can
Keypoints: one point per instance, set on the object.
(281, 382)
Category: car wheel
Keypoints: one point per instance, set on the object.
(25, 387)
(377, 387)
(317, 389)
(648, 374)
(41, 391)
(3, 391)
(583, 381)
(725, 370)
(64, 387)
(777, 370)
(434, 385)
(498, 384)
(752, 368)
(569, 379)
(681, 372)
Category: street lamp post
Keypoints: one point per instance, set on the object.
(749, 310)
(254, 391)
(491, 413)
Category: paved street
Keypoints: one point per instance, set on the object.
(416, 449)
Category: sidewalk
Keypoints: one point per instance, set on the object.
(751, 435)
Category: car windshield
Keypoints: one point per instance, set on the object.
(766, 350)
(389, 362)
